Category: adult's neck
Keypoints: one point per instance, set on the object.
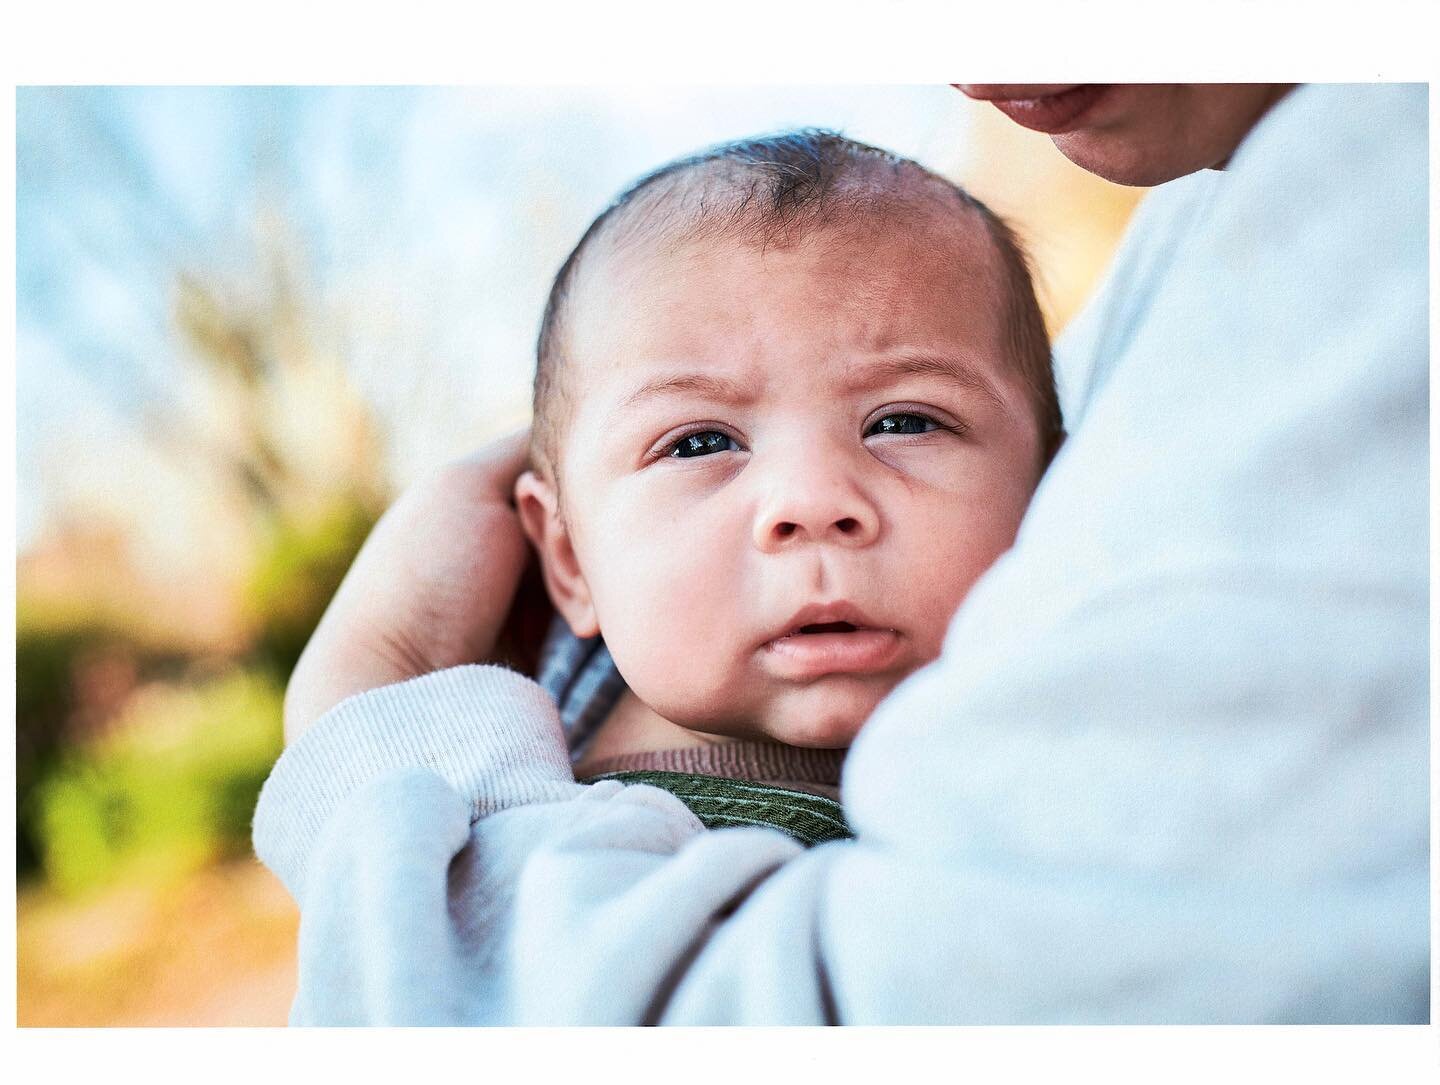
(1272, 99)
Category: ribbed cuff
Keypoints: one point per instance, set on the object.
(491, 734)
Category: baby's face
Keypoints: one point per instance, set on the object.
(785, 469)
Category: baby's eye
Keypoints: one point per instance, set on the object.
(703, 444)
(902, 423)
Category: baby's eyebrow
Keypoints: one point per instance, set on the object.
(704, 384)
(885, 370)
(863, 377)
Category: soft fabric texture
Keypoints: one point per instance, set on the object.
(789, 788)
(580, 675)
(1171, 766)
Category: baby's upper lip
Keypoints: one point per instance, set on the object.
(825, 614)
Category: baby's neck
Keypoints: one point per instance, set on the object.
(636, 737)
(634, 727)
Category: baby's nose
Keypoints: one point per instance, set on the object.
(829, 509)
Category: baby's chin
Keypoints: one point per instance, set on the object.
(823, 715)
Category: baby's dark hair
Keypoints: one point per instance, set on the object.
(773, 191)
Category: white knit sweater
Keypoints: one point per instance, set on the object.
(1171, 767)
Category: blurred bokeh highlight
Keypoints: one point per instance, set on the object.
(247, 317)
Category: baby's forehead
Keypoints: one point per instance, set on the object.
(846, 291)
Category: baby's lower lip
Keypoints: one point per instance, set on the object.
(813, 655)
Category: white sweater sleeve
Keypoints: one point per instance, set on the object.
(1170, 767)
(491, 734)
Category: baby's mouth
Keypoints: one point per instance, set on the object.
(826, 627)
(822, 648)
(837, 618)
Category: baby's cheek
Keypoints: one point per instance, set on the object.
(947, 574)
(670, 627)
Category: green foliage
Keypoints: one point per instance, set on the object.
(171, 787)
(44, 700)
(174, 782)
(48, 706)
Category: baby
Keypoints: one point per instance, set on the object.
(792, 398)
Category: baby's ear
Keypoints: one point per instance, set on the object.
(539, 506)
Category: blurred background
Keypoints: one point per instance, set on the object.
(246, 318)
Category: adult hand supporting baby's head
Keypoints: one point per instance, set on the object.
(432, 587)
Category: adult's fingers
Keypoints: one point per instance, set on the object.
(494, 467)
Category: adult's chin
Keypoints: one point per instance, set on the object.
(1119, 160)
(1149, 134)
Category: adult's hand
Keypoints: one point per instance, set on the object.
(432, 587)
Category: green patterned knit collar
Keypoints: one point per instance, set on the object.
(721, 802)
